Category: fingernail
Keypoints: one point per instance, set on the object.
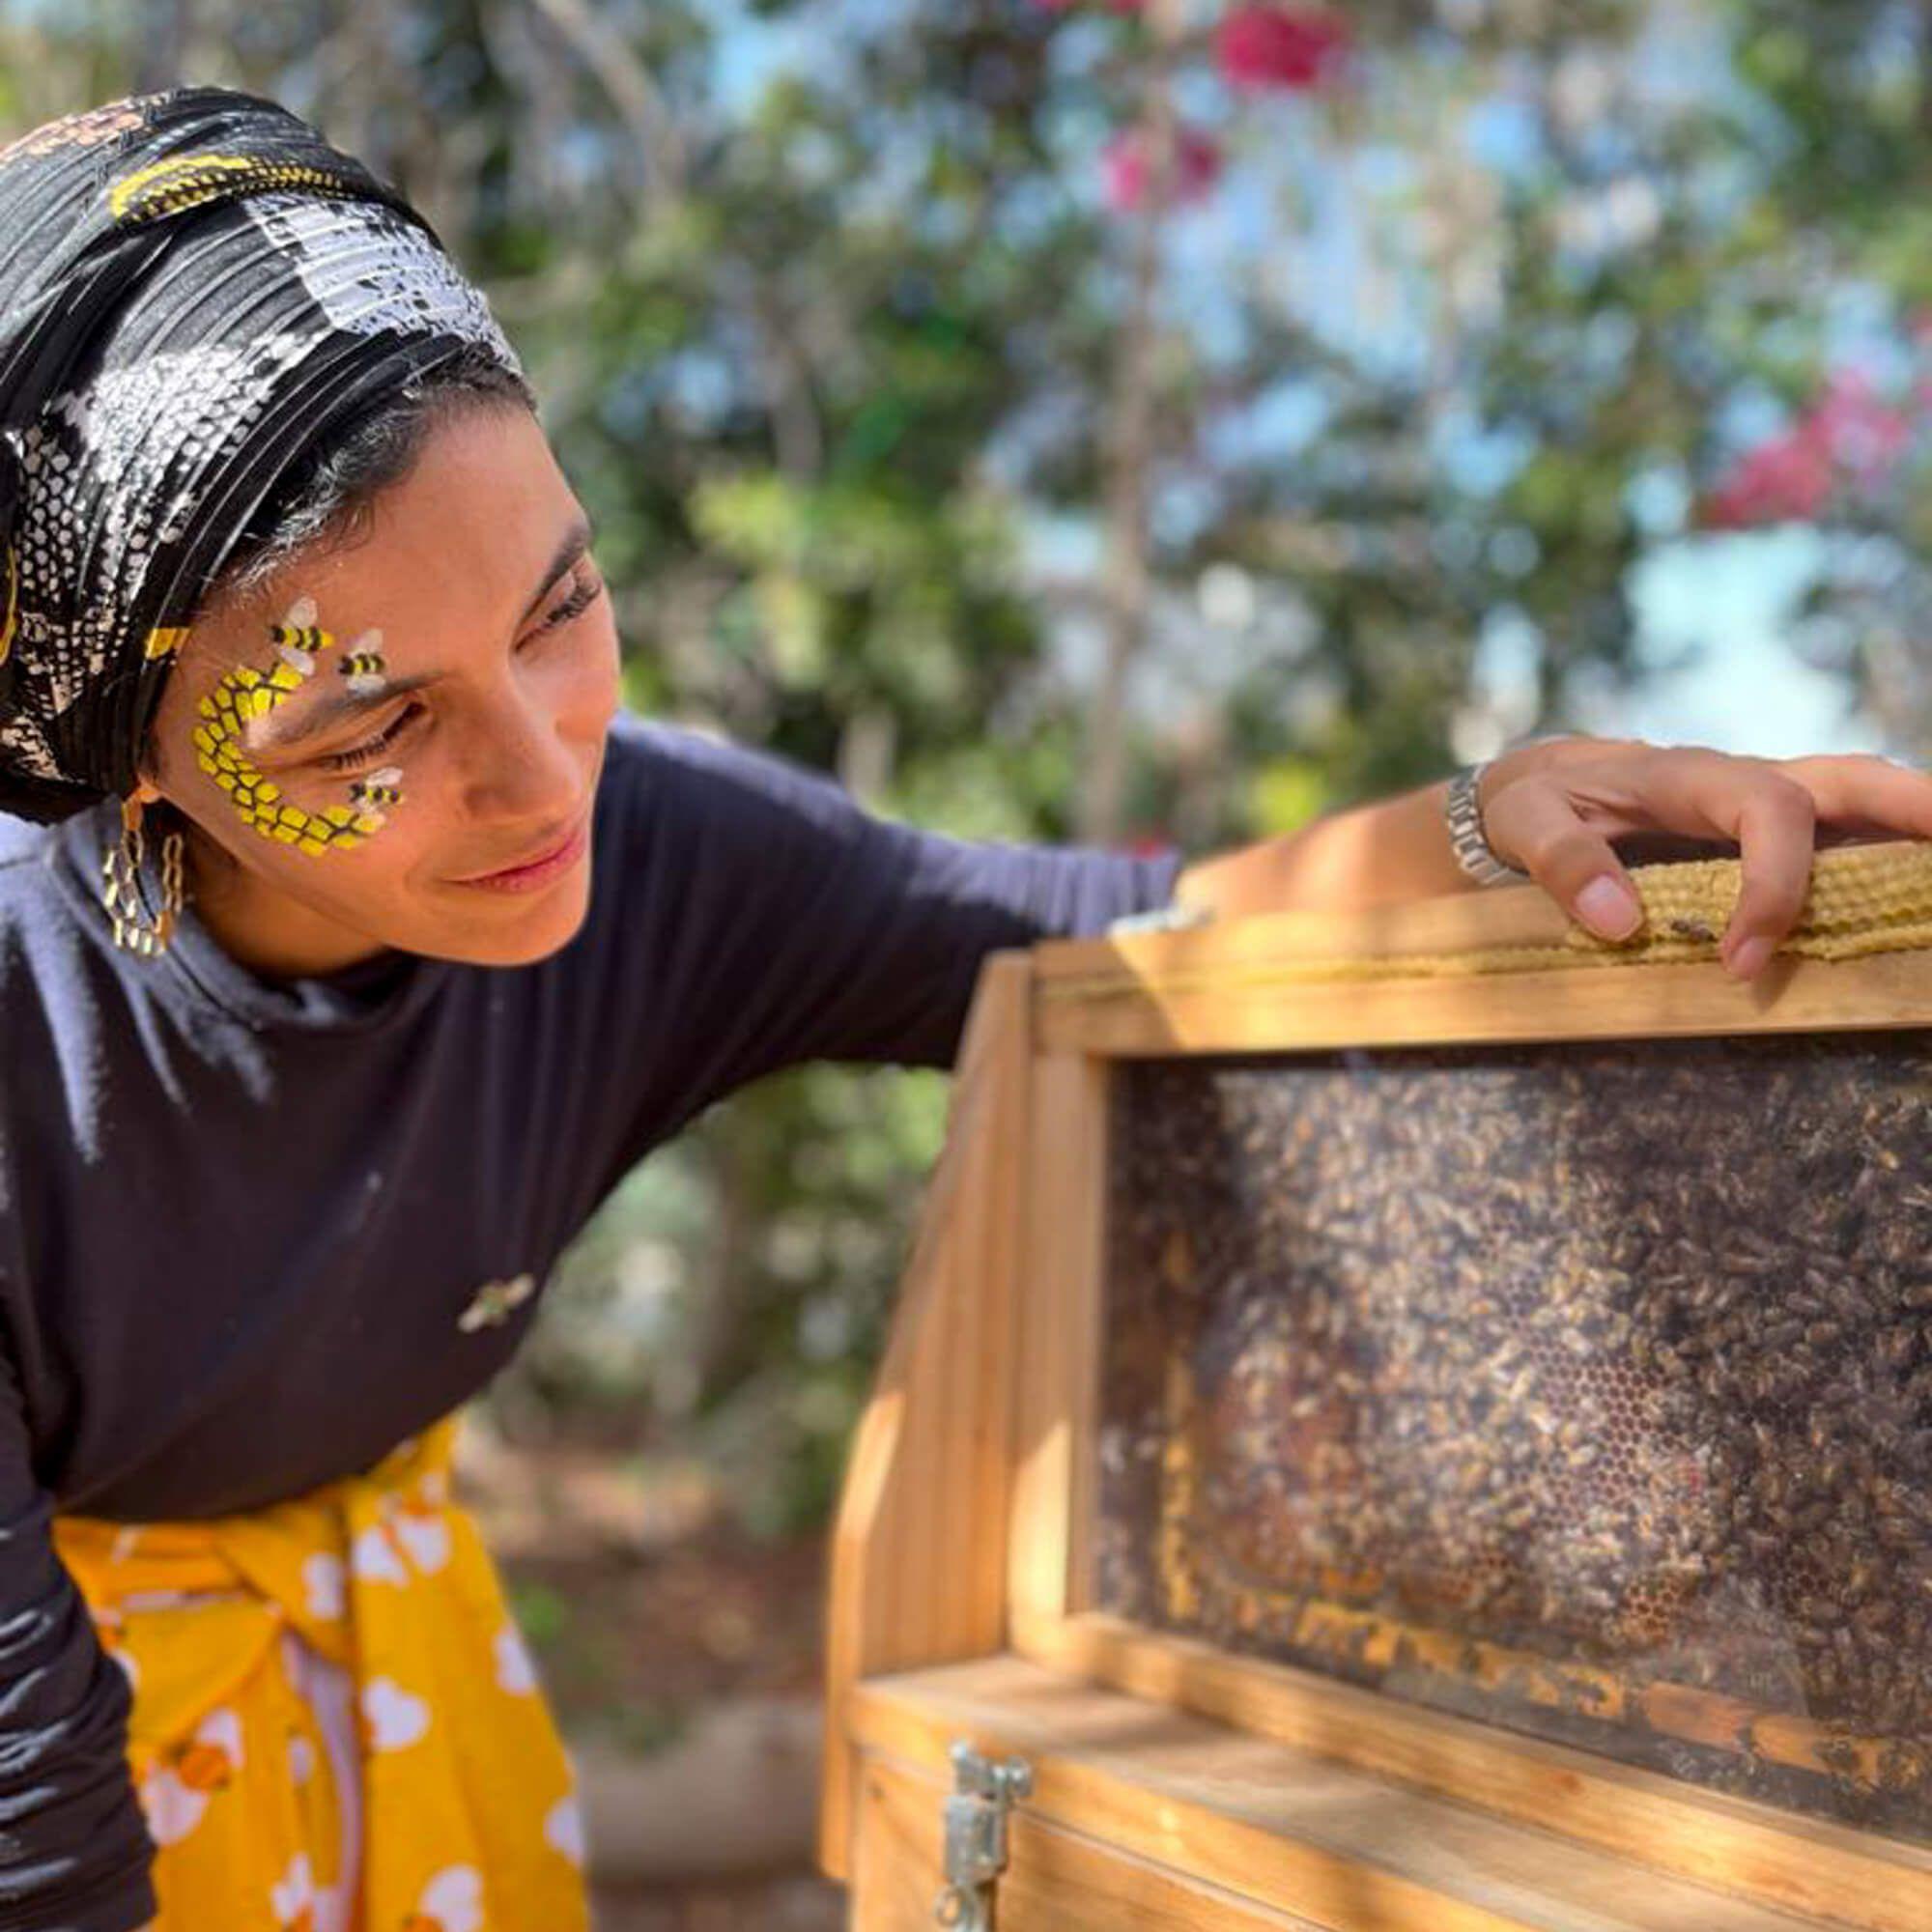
(1750, 955)
(1605, 906)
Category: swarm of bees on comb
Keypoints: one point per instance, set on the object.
(1587, 1388)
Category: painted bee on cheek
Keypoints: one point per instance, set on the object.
(378, 789)
(366, 671)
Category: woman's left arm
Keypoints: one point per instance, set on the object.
(1552, 810)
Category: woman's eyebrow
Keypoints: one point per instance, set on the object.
(277, 730)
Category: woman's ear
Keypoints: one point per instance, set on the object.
(148, 763)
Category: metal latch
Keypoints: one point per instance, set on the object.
(976, 1835)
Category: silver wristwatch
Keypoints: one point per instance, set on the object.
(1466, 832)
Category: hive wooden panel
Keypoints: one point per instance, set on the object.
(1053, 1407)
(1241, 1819)
(1071, 1015)
(1810, 1867)
(1304, 980)
(918, 1546)
(1059, 1881)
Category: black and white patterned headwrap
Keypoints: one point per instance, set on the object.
(194, 289)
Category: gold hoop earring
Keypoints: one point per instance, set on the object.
(121, 887)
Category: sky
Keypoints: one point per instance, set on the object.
(1750, 691)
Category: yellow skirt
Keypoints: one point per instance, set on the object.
(336, 1726)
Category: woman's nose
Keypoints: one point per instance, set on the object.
(524, 770)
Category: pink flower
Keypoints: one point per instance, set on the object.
(1129, 163)
(1858, 432)
(1785, 481)
(1850, 433)
(1298, 48)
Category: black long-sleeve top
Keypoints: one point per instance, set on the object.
(240, 1219)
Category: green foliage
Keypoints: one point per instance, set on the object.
(828, 348)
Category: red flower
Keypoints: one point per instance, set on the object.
(1785, 481)
(1848, 433)
(1297, 48)
(1129, 166)
(1857, 431)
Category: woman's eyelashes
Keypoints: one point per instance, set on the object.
(588, 589)
(370, 749)
(585, 593)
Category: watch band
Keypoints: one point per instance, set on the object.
(1467, 840)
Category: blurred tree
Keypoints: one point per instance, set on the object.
(1836, 125)
(1318, 455)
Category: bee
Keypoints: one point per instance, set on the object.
(297, 638)
(363, 664)
(1894, 1347)
(1900, 1767)
(380, 788)
(491, 1305)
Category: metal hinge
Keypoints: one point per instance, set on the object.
(976, 1835)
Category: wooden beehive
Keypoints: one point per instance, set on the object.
(1415, 1420)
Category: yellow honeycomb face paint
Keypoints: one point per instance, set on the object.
(244, 694)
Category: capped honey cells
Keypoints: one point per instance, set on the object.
(1584, 1389)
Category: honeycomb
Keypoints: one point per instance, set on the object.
(1585, 1389)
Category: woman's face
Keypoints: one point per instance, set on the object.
(358, 741)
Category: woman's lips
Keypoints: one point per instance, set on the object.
(541, 871)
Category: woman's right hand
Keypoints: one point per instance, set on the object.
(1552, 808)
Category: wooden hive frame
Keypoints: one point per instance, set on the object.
(961, 1576)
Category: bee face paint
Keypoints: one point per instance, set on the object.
(377, 790)
(365, 669)
(245, 693)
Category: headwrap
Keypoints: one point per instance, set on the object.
(194, 289)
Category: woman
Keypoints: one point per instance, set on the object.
(354, 944)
